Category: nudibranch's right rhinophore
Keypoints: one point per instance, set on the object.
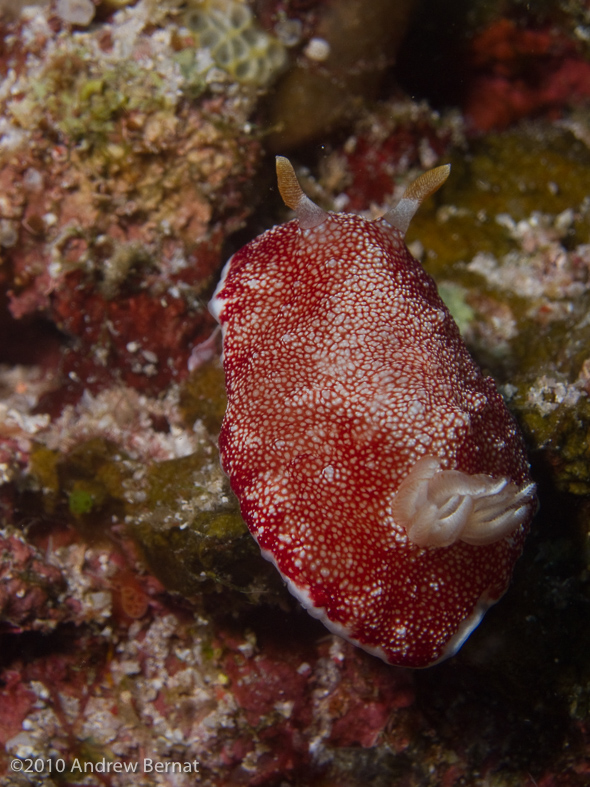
(375, 465)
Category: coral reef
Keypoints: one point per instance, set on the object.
(396, 138)
(137, 620)
(123, 151)
(523, 72)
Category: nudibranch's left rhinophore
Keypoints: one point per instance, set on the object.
(375, 465)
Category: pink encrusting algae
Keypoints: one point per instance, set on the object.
(375, 465)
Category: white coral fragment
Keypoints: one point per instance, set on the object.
(76, 12)
(439, 507)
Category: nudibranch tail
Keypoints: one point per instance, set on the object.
(403, 213)
(308, 213)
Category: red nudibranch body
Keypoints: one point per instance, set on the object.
(375, 465)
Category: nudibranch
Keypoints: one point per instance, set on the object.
(375, 465)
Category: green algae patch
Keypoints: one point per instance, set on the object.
(43, 466)
(43, 470)
(203, 397)
(455, 300)
(184, 516)
(554, 414)
(158, 479)
(535, 168)
(83, 481)
(83, 499)
(180, 512)
(187, 524)
(94, 476)
(84, 486)
(83, 101)
(168, 484)
(202, 551)
(212, 550)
